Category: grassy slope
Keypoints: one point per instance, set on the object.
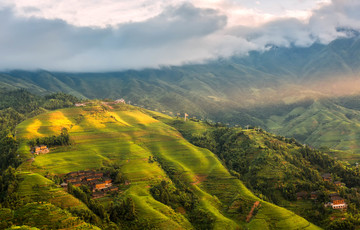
(41, 215)
(38, 188)
(321, 124)
(48, 216)
(269, 213)
(127, 137)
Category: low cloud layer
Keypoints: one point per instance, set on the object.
(182, 33)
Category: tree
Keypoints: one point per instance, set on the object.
(130, 209)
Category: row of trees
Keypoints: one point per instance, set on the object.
(61, 140)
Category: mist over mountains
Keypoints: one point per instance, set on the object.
(273, 89)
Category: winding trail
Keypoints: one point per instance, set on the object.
(256, 204)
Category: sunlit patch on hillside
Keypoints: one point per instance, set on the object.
(117, 118)
(33, 129)
(95, 120)
(137, 117)
(59, 121)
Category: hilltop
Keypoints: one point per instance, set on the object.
(151, 157)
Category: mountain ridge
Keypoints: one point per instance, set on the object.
(238, 91)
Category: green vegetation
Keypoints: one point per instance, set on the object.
(196, 190)
(16, 106)
(277, 168)
(45, 215)
(322, 123)
(164, 181)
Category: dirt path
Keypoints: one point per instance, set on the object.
(256, 204)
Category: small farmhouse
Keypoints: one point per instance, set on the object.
(314, 195)
(301, 195)
(98, 185)
(96, 195)
(339, 184)
(38, 150)
(77, 184)
(338, 202)
(326, 177)
(64, 185)
(91, 178)
(107, 180)
(113, 188)
(73, 180)
(120, 101)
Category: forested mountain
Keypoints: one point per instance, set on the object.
(280, 90)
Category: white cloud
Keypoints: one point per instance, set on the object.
(102, 13)
(177, 35)
(90, 12)
(160, 32)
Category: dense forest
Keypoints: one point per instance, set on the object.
(278, 169)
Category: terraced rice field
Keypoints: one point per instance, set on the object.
(125, 136)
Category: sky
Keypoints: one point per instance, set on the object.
(112, 35)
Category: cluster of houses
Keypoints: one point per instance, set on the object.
(96, 181)
(80, 104)
(327, 177)
(336, 201)
(38, 150)
(120, 101)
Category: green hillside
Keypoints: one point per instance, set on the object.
(281, 170)
(48, 216)
(323, 123)
(123, 137)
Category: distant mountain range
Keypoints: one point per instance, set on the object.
(309, 93)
